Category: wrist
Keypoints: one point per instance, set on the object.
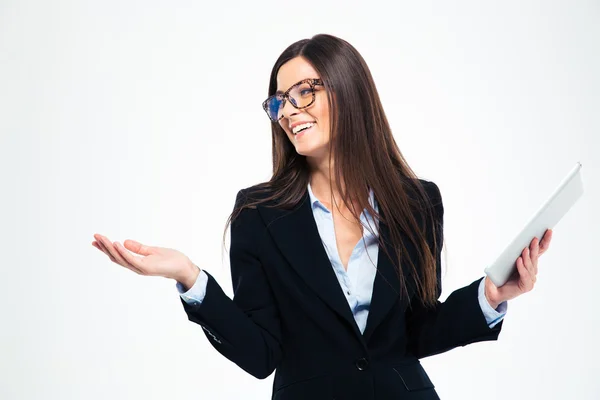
(189, 276)
(492, 301)
(493, 304)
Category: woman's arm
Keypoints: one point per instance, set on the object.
(458, 321)
(246, 329)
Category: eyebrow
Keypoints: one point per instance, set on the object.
(281, 91)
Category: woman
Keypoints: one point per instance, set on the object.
(336, 260)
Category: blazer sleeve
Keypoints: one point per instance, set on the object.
(246, 329)
(458, 320)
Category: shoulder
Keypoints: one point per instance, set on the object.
(432, 190)
(433, 200)
(252, 194)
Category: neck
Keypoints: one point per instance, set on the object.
(322, 183)
(322, 179)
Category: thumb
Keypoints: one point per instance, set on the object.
(137, 247)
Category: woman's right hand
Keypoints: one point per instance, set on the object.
(156, 261)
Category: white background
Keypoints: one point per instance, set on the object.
(142, 119)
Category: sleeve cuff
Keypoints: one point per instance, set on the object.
(195, 295)
(492, 316)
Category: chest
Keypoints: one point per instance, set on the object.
(347, 234)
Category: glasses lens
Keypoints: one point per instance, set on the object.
(301, 95)
(274, 107)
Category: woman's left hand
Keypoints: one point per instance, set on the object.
(523, 280)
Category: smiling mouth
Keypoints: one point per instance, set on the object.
(301, 128)
(302, 132)
(304, 129)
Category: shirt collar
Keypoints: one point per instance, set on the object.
(314, 202)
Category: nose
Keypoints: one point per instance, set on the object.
(289, 110)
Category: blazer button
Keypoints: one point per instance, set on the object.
(362, 364)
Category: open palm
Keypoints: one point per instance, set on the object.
(150, 261)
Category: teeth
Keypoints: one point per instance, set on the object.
(300, 127)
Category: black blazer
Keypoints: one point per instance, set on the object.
(289, 313)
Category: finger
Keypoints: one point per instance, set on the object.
(545, 243)
(528, 261)
(137, 247)
(129, 258)
(525, 280)
(103, 248)
(98, 246)
(535, 249)
(523, 272)
(115, 255)
(110, 248)
(529, 264)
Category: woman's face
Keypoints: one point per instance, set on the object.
(313, 142)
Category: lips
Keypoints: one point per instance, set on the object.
(301, 133)
(299, 128)
(295, 124)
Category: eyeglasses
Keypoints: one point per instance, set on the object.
(300, 95)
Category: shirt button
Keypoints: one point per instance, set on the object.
(348, 292)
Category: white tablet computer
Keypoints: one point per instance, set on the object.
(548, 215)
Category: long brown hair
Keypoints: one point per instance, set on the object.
(358, 122)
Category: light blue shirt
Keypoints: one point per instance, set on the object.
(357, 281)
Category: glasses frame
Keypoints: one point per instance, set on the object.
(286, 96)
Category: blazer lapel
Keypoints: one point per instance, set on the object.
(296, 234)
(386, 287)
